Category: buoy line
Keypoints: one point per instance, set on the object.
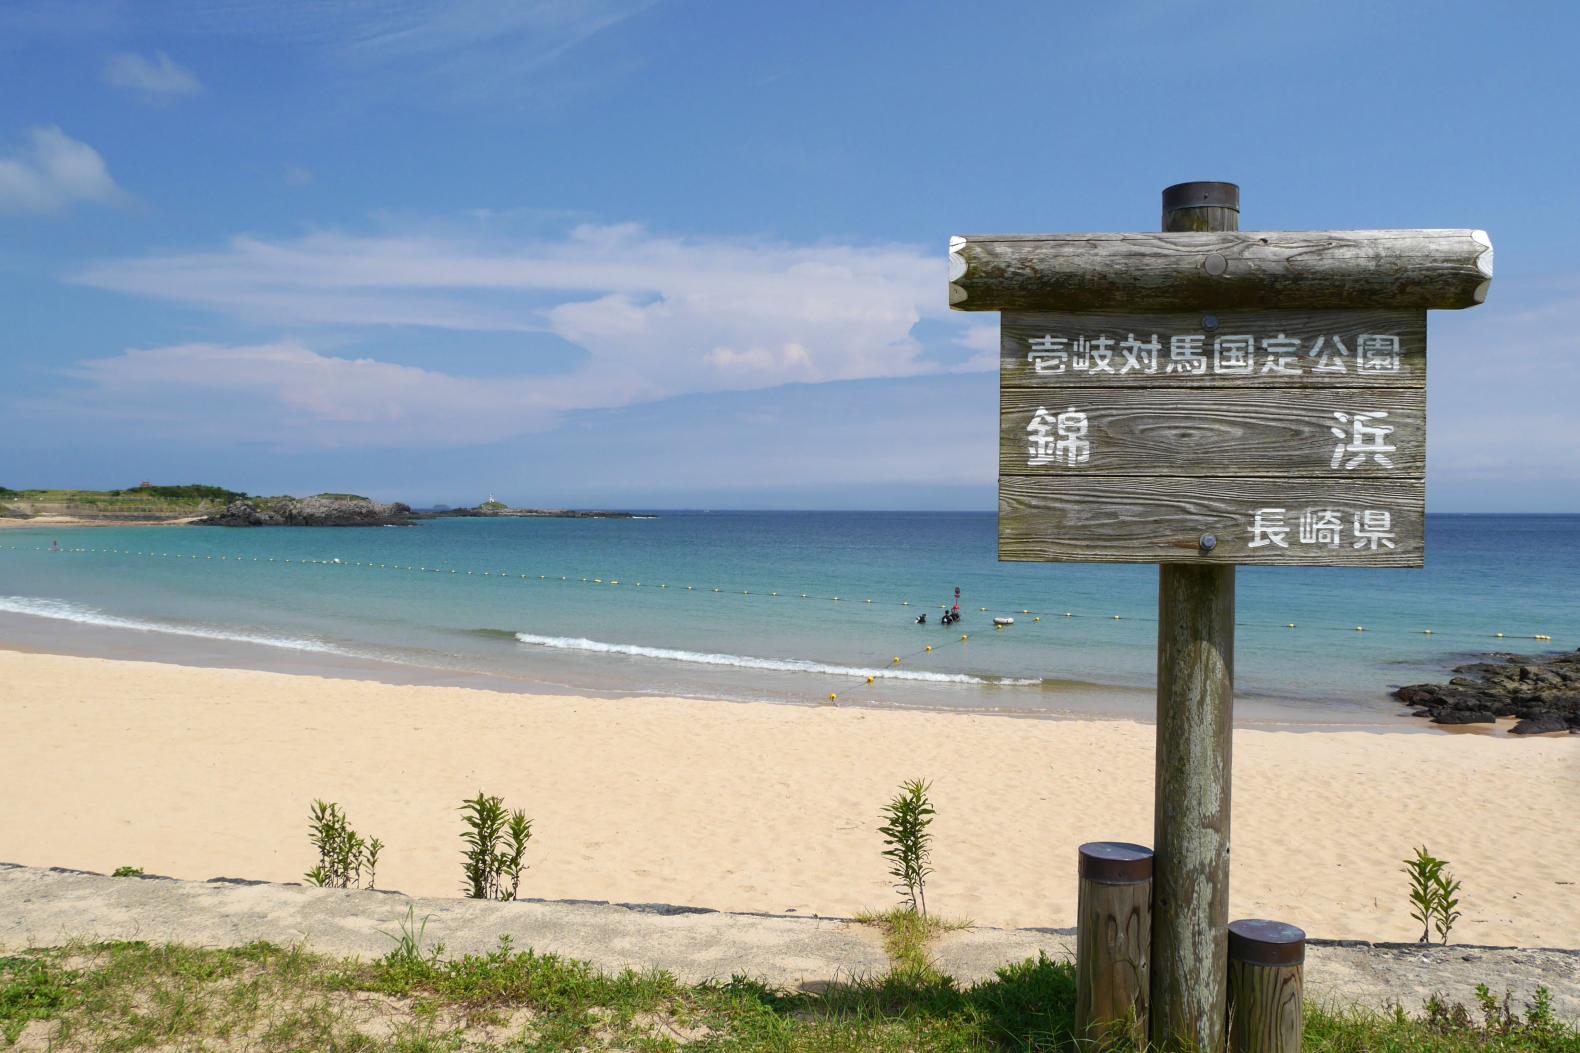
(1036, 616)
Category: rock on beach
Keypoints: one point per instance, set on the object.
(1543, 692)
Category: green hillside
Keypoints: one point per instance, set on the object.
(141, 501)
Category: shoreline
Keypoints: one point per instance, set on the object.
(754, 807)
(1069, 700)
(50, 522)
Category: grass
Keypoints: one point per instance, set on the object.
(906, 937)
(136, 996)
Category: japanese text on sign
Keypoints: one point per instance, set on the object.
(1195, 354)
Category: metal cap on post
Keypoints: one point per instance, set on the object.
(1116, 862)
(1258, 941)
(1201, 206)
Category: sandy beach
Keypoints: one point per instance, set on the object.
(754, 807)
(56, 522)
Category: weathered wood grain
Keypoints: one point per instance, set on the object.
(1207, 431)
(1161, 520)
(1266, 1006)
(1113, 945)
(1442, 269)
(1190, 898)
(1190, 832)
(1329, 339)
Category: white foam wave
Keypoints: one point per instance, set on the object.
(786, 665)
(40, 607)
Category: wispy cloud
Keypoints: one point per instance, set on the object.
(51, 172)
(287, 396)
(656, 315)
(156, 79)
(641, 317)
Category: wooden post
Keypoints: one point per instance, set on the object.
(1113, 943)
(1195, 710)
(1266, 962)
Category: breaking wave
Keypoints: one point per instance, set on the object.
(39, 607)
(786, 665)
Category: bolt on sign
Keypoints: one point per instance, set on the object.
(1215, 397)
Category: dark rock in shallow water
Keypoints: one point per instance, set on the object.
(1539, 725)
(323, 510)
(1462, 716)
(1544, 692)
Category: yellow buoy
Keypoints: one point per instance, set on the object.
(1037, 619)
(1498, 635)
(896, 659)
(1360, 628)
(982, 609)
(832, 697)
(929, 648)
(1068, 614)
(1541, 636)
(1291, 625)
(1426, 632)
(964, 638)
(869, 679)
(1116, 617)
(997, 627)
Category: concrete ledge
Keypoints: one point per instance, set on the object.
(49, 907)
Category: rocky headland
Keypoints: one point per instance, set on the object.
(1542, 692)
(333, 510)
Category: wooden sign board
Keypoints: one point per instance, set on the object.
(1256, 436)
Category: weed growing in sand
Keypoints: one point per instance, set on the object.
(1434, 894)
(909, 843)
(343, 854)
(127, 872)
(496, 847)
(408, 952)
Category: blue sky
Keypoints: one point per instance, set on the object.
(678, 253)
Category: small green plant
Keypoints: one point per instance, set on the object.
(1434, 894)
(127, 872)
(407, 955)
(909, 843)
(496, 847)
(343, 854)
(1498, 1017)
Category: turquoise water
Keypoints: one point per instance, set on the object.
(533, 603)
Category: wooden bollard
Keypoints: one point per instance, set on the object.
(1266, 961)
(1113, 942)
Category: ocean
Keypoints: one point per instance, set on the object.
(777, 606)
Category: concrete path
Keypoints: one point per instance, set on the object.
(41, 908)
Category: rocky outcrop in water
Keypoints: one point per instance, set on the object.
(1543, 692)
(333, 510)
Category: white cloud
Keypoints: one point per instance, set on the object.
(155, 79)
(51, 172)
(287, 396)
(653, 316)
